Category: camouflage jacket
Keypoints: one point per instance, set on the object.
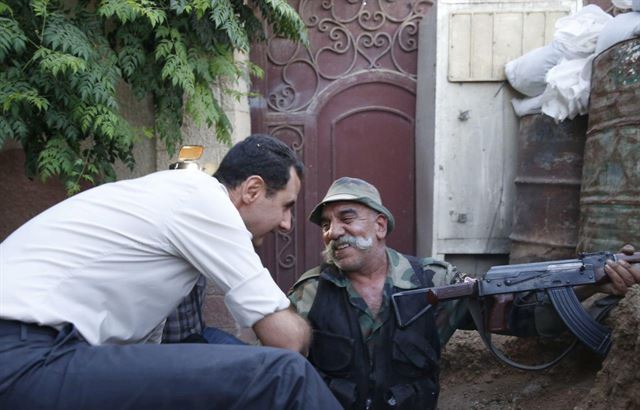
(401, 275)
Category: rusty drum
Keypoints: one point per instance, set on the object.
(610, 196)
(545, 225)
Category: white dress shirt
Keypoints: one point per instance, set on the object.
(117, 259)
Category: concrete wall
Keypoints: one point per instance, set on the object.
(466, 129)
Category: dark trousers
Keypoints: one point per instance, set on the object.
(41, 368)
(213, 335)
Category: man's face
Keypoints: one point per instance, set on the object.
(349, 231)
(273, 212)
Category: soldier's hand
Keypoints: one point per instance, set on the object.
(623, 275)
(628, 249)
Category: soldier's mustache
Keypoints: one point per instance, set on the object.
(360, 242)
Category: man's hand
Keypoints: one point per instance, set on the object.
(284, 329)
(623, 275)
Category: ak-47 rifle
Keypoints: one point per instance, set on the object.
(500, 283)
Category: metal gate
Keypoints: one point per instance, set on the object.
(346, 104)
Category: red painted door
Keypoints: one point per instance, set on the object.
(346, 104)
(367, 131)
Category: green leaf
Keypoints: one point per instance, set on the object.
(55, 62)
(172, 52)
(130, 10)
(180, 6)
(5, 9)
(61, 63)
(12, 38)
(224, 65)
(14, 92)
(223, 16)
(63, 35)
(40, 7)
(284, 20)
(56, 158)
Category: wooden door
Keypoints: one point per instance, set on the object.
(346, 104)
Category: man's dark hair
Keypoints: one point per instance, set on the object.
(259, 154)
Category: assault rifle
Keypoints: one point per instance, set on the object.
(491, 295)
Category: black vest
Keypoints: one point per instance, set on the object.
(403, 372)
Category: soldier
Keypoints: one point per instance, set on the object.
(367, 361)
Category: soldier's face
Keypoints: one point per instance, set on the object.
(349, 233)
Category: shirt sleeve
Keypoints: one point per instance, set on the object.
(207, 231)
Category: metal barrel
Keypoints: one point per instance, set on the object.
(545, 225)
(610, 195)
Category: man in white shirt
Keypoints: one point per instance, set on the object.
(84, 284)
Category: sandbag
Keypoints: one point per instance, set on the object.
(627, 4)
(622, 27)
(622, 4)
(527, 73)
(576, 35)
(527, 106)
(568, 89)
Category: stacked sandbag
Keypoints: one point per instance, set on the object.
(527, 73)
(576, 35)
(627, 4)
(556, 77)
(623, 27)
(568, 88)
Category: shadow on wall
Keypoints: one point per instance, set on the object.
(22, 198)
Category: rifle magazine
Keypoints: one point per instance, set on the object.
(594, 335)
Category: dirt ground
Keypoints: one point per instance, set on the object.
(472, 379)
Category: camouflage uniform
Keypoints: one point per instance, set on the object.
(401, 275)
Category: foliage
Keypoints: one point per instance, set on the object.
(61, 62)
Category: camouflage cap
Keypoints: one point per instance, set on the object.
(353, 190)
